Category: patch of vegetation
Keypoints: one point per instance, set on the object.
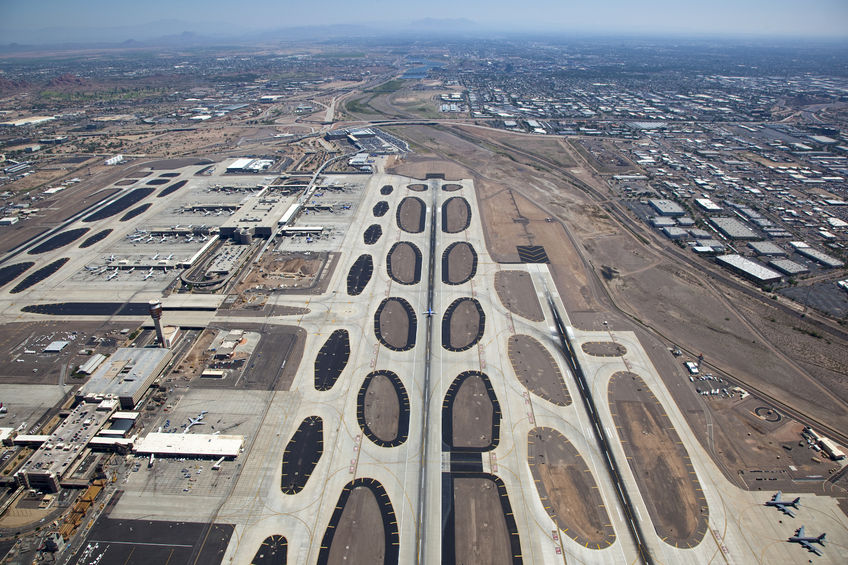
(388, 87)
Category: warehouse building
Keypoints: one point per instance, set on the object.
(749, 269)
(788, 267)
(817, 256)
(126, 375)
(666, 208)
(766, 248)
(732, 228)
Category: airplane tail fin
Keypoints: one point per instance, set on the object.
(796, 502)
(821, 538)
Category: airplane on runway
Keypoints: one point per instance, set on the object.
(429, 312)
(784, 506)
(807, 541)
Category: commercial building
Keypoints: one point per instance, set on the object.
(707, 205)
(248, 165)
(56, 457)
(189, 445)
(258, 216)
(126, 375)
(749, 269)
(31, 121)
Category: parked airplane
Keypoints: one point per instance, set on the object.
(807, 542)
(149, 274)
(113, 275)
(110, 259)
(169, 257)
(784, 506)
(154, 257)
(194, 422)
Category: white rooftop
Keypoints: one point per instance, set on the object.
(187, 445)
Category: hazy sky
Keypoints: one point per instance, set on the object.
(816, 18)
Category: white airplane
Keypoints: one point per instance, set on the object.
(189, 239)
(194, 422)
(169, 257)
(113, 275)
(164, 237)
(154, 257)
(807, 541)
(149, 274)
(784, 506)
(110, 259)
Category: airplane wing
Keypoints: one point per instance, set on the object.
(777, 497)
(810, 547)
(788, 511)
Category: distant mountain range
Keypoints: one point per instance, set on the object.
(181, 33)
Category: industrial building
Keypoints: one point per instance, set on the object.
(666, 208)
(766, 248)
(732, 228)
(817, 256)
(788, 267)
(749, 269)
(126, 375)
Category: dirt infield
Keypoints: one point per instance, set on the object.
(659, 462)
(536, 369)
(603, 349)
(459, 263)
(362, 519)
(451, 187)
(472, 415)
(395, 324)
(567, 489)
(481, 533)
(463, 324)
(361, 514)
(404, 263)
(382, 409)
(417, 187)
(456, 215)
(518, 295)
(411, 214)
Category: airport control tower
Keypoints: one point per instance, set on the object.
(156, 314)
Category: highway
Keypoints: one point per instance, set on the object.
(600, 435)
